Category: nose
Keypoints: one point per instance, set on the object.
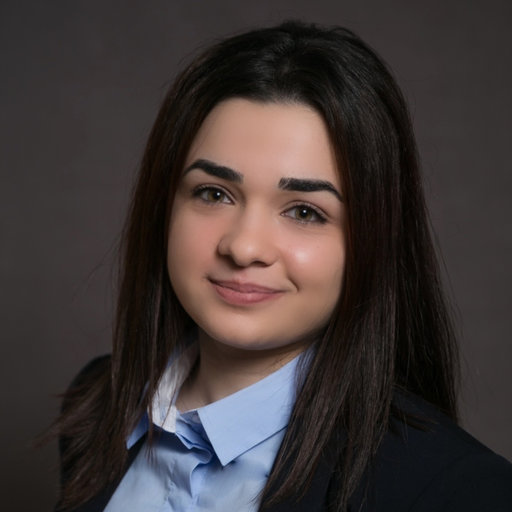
(249, 240)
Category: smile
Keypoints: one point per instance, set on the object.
(242, 294)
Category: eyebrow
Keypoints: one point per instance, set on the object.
(306, 185)
(294, 184)
(213, 169)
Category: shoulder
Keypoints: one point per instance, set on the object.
(83, 403)
(92, 375)
(97, 366)
(431, 464)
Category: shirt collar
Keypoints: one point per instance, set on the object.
(235, 423)
(162, 406)
(248, 417)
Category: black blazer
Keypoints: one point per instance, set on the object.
(438, 467)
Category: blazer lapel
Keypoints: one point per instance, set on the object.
(100, 501)
(316, 497)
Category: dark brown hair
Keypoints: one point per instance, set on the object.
(391, 327)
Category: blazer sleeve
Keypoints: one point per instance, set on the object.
(88, 374)
(86, 377)
(473, 483)
(433, 465)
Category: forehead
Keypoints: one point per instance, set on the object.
(289, 139)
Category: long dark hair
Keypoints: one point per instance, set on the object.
(390, 329)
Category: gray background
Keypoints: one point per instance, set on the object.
(80, 85)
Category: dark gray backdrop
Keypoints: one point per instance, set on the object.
(80, 85)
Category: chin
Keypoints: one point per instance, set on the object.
(243, 341)
(256, 341)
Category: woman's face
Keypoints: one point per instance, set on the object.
(256, 243)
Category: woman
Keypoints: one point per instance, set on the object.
(282, 341)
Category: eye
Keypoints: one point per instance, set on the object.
(212, 195)
(305, 214)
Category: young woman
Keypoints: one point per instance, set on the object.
(282, 341)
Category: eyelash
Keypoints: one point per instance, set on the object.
(202, 189)
(319, 217)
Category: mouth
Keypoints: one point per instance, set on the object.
(242, 294)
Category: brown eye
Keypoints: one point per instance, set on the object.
(305, 214)
(212, 195)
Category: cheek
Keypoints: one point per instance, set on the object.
(319, 264)
(192, 241)
(181, 249)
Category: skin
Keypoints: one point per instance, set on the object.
(256, 262)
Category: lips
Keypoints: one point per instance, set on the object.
(240, 294)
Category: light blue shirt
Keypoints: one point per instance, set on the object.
(216, 458)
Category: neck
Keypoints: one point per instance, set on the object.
(223, 370)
